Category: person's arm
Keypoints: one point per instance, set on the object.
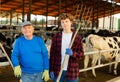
(15, 60)
(45, 75)
(52, 53)
(77, 48)
(45, 55)
(15, 54)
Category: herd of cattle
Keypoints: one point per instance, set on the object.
(93, 41)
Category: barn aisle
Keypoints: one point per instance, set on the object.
(102, 76)
(6, 75)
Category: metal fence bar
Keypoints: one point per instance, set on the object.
(99, 65)
(93, 52)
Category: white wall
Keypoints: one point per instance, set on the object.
(107, 23)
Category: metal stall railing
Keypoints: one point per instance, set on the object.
(99, 59)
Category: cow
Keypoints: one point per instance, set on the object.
(96, 42)
(48, 45)
(6, 47)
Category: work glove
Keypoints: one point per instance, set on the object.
(69, 51)
(52, 76)
(45, 75)
(17, 71)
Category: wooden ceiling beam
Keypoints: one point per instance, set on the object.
(39, 6)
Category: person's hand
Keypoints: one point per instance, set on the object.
(45, 75)
(17, 71)
(69, 51)
(52, 76)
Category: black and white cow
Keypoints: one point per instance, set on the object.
(95, 42)
(3, 42)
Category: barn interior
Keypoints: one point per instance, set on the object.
(95, 8)
(101, 8)
(87, 12)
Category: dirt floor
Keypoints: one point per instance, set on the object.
(6, 75)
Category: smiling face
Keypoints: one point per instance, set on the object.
(27, 31)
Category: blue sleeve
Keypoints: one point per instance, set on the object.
(45, 56)
(15, 54)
